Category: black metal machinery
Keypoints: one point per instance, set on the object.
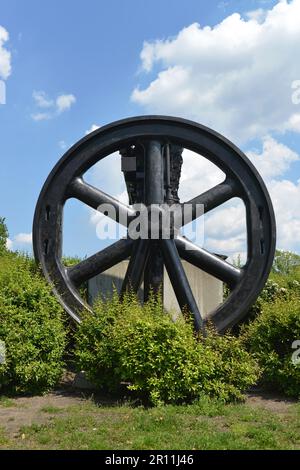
(151, 151)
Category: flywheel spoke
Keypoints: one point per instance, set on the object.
(100, 261)
(180, 282)
(101, 201)
(136, 266)
(208, 262)
(211, 199)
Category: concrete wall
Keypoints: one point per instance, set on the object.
(208, 291)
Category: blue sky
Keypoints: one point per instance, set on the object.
(89, 54)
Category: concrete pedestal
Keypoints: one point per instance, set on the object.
(208, 291)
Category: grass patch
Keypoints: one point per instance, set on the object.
(51, 409)
(207, 424)
(6, 402)
(3, 437)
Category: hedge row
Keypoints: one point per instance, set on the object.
(163, 361)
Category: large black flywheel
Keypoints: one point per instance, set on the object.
(151, 147)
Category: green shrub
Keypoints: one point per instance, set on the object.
(160, 359)
(31, 326)
(269, 338)
(272, 291)
(285, 262)
(283, 283)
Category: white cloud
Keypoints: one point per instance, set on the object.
(9, 244)
(258, 15)
(5, 55)
(274, 160)
(42, 100)
(64, 102)
(41, 116)
(226, 222)
(106, 174)
(93, 128)
(286, 196)
(293, 123)
(54, 107)
(19, 241)
(235, 77)
(233, 247)
(24, 238)
(191, 184)
(296, 92)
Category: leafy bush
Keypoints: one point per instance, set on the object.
(31, 326)
(285, 262)
(272, 291)
(294, 286)
(269, 338)
(160, 359)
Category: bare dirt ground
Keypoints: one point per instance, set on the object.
(25, 411)
(269, 401)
